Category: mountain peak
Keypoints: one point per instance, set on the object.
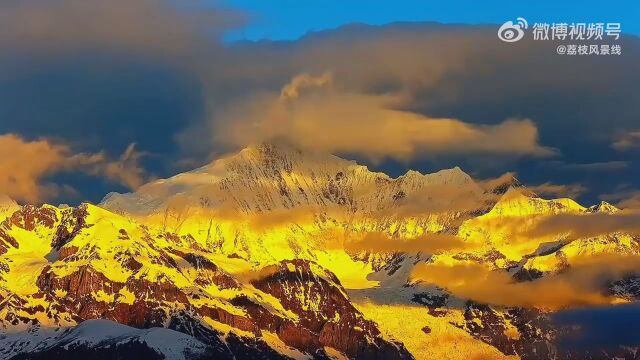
(278, 175)
(603, 207)
(503, 184)
(275, 156)
(522, 202)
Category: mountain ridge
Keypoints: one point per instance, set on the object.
(248, 256)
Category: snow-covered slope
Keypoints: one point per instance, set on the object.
(269, 177)
(272, 202)
(99, 338)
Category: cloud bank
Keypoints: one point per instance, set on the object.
(581, 284)
(25, 165)
(311, 113)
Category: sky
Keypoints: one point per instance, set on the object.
(104, 96)
(290, 19)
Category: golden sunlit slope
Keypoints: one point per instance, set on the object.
(63, 266)
(273, 202)
(427, 336)
(66, 241)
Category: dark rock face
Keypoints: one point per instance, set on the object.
(80, 286)
(208, 272)
(626, 288)
(326, 316)
(535, 333)
(527, 275)
(6, 241)
(27, 218)
(252, 349)
(436, 303)
(72, 222)
(31, 216)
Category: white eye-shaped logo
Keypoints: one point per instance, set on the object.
(510, 32)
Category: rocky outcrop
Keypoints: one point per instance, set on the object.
(326, 317)
(29, 217)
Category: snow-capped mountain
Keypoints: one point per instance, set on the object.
(274, 202)
(253, 257)
(100, 339)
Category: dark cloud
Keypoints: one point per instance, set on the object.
(605, 166)
(170, 30)
(101, 76)
(627, 141)
(559, 190)
(624, 197)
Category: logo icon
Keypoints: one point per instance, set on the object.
(510, 32)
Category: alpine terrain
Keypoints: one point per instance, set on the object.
(279, 253)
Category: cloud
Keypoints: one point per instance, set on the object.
(585, 225)
(499, 185)
(147, 27)
(604, 166)
(126, 170)
(561, 226)
(437, 199)
(559, 190)
(25, 165)
(162, 75)
(269, 220)
(624, 198)
(327, 119)
(627, 141)
(101, 75)
(378, 242)
(581, 284)
(304, 81)
(455, 71)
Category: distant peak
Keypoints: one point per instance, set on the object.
(274, 146)
(603, 207)
(503, 184)
(454, 171)
(281, 149)
(512, 193)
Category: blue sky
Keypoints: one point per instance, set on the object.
(289, 19)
